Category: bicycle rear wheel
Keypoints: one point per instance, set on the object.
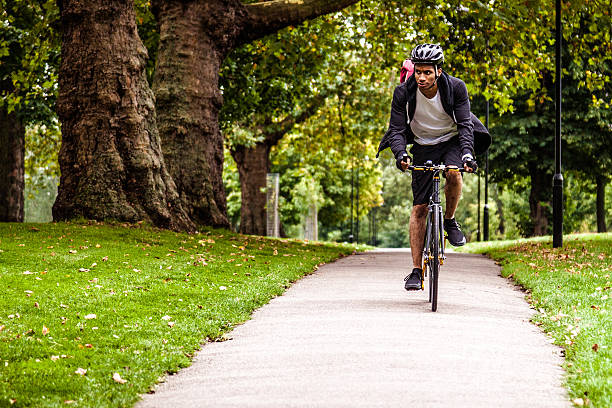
(434, 260)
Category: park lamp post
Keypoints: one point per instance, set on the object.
(485, 216)
(558, 177)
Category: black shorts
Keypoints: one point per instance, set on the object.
(448, 152)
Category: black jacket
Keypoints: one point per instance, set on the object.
(473, 136)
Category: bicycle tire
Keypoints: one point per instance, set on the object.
(427, 252)
(434, 260)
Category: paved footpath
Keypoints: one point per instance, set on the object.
(351, 336)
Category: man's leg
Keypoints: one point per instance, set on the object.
(417, 233)
(452, 191)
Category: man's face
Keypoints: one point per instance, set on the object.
(425, 75)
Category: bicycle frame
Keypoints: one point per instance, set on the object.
(434, 208)
(434, 241)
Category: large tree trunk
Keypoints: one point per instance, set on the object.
(253, 165)
(110, 159)
(601, 204)
(538, 199)
(195, 37)
(188, 100)
(12, 182)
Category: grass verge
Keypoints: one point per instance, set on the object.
(94, 315)
(570, 289)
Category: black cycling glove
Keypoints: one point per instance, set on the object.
(402, 156)
(470, 162)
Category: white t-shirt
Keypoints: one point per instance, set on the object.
(431, 124)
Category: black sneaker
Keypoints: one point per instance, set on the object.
(454, 234)
(413, 281)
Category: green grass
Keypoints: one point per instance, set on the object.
(135, 301)
(570, 287)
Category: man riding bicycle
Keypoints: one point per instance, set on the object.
(431, 111)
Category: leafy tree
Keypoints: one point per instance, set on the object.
(111, 157)
(525, 138)
(29, 53)
(274, 83)
(195, 38)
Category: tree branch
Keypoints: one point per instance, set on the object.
(267, 17)
(284, 126)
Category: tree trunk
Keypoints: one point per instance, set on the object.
(110, 159)
(537, 201)
(188, 100)
(500, 210)
(12, 181)
(253, 166)
(195, 38)
(601, 204)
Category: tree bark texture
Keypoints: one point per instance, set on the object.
(253, 166)
(186, 85)
(111, 161)
(195, 38)
(601, 204)
(12, 181)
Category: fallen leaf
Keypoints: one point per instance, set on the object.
(12, 401)
(80, 371)
(72, 251)
(90, 316)
(2, 327)
(27, 273)
(55, 358)
(166, 317)
(578, 401)
(118, 378)
(88, 345)
(69, 402)
(222, 288)
(45, 330)
(595, 347)
(36, 305)
(170, 324)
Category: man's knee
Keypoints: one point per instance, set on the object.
(454, 178)
(419, 211)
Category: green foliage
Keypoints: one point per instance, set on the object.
(29, 58)
(82, 302)
(523, 146)
(270, 79)
(394, 214)
(231, 181)
(570, 288)
(42, 147)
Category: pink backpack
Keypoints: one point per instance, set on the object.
(407, 70)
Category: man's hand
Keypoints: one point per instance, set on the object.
(469, 163)
(403, 161)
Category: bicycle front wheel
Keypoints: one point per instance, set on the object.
(434, 260)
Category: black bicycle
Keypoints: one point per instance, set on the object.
(433, 250)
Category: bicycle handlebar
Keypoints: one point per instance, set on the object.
(434, 167)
